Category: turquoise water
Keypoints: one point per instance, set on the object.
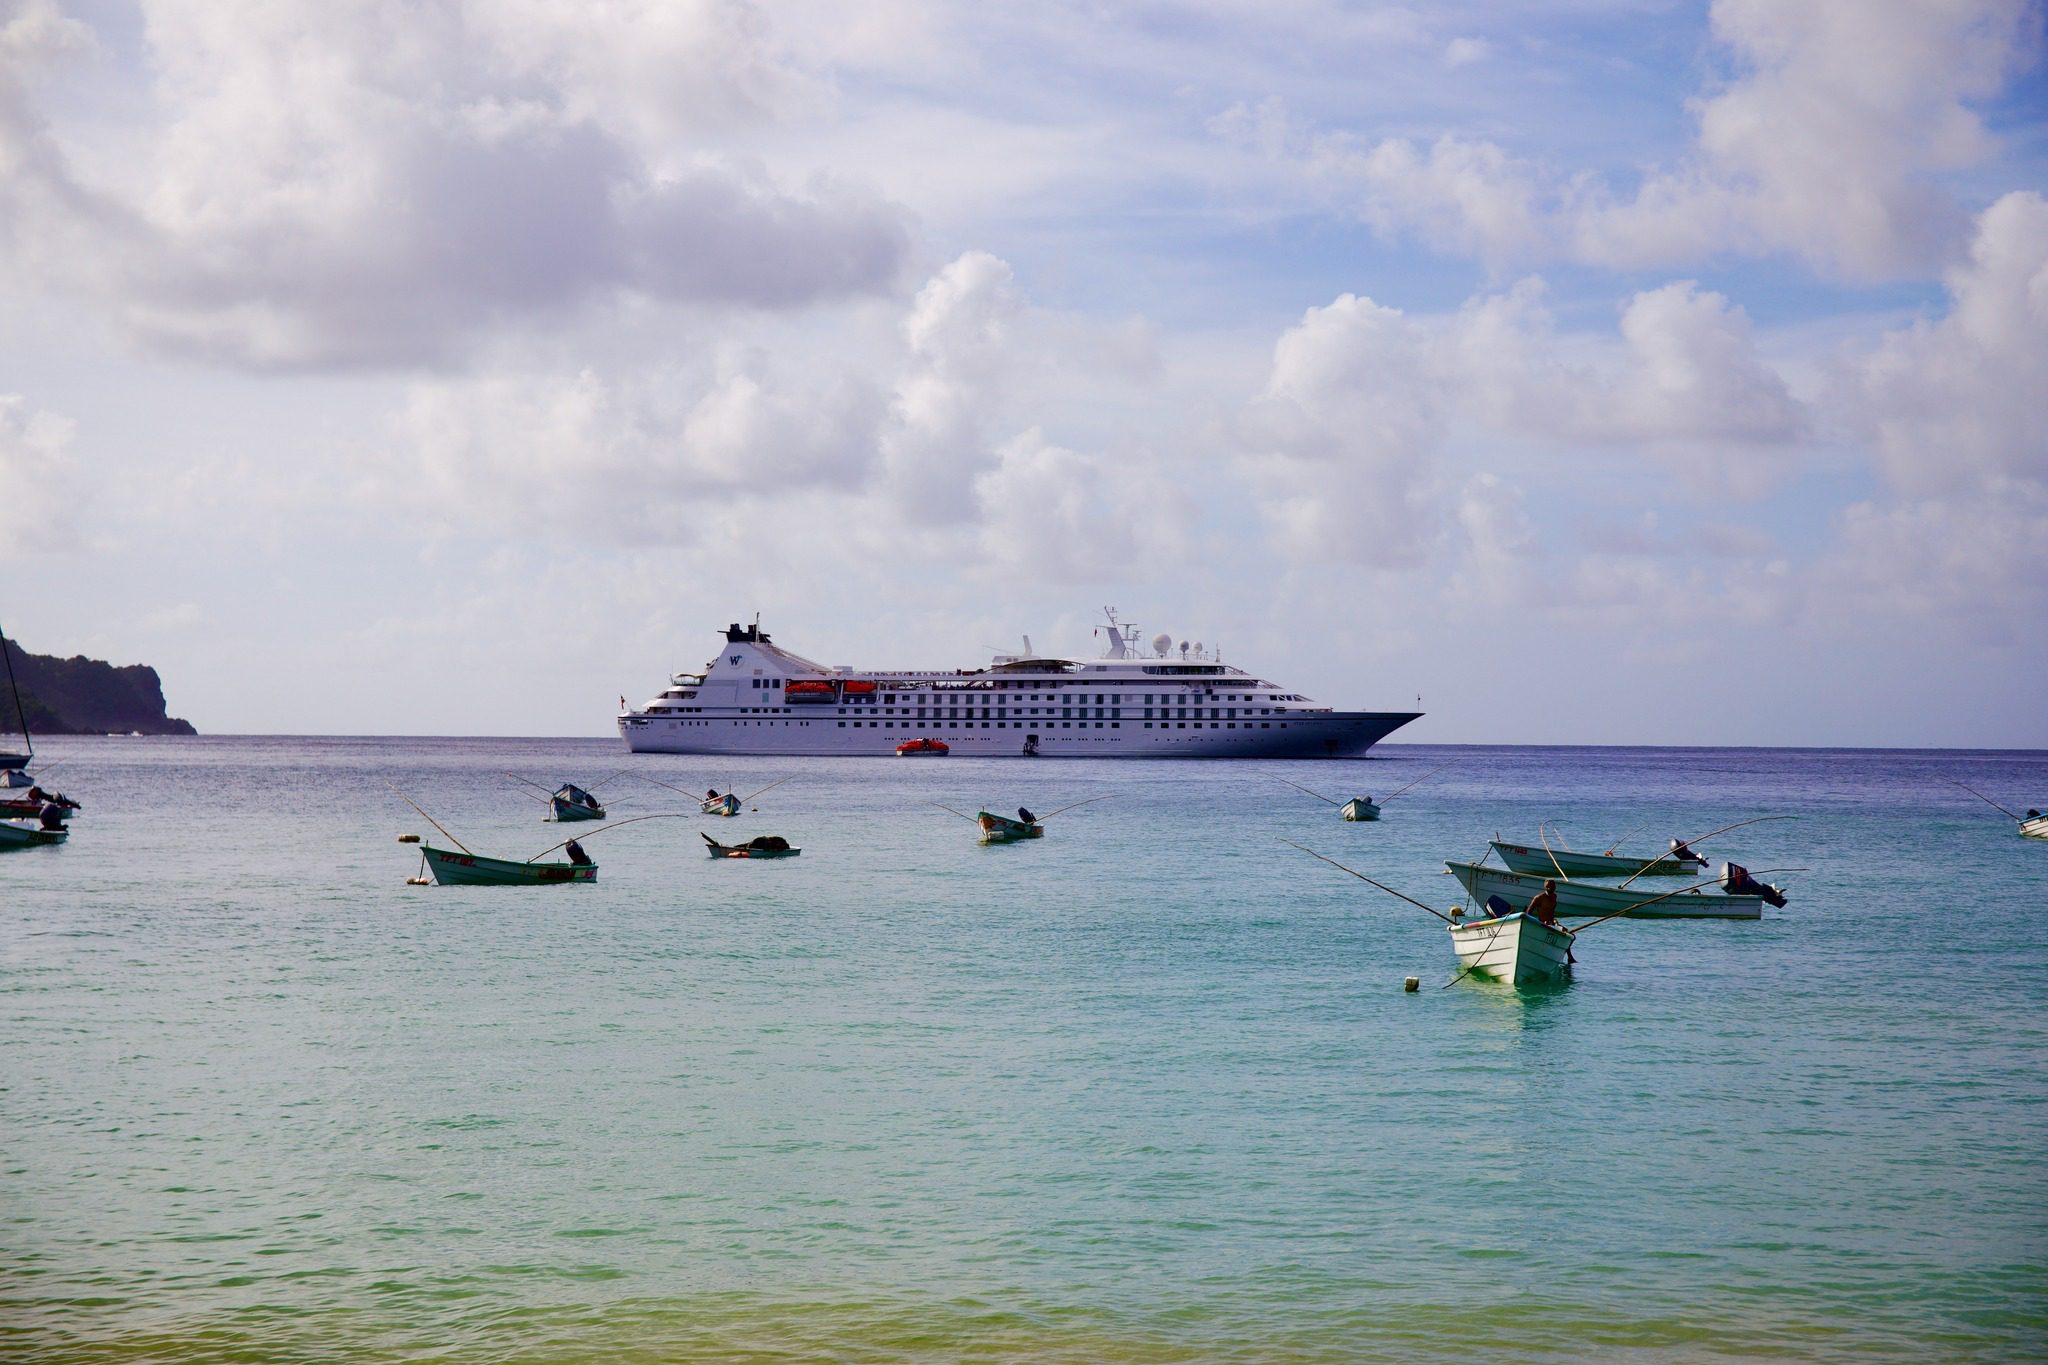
(1147, 1089)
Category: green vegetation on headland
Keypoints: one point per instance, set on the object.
(81, 696)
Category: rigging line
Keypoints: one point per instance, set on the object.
(950, 811)
(7, 653)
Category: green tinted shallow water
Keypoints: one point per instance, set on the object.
(1146, 1090)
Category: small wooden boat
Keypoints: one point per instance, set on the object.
(454, 868)
(1515, 948)
(1581, 899)
(15, 835)
(1360, 808)
(2034, 827)
(727, 804)
(915, 748)
(760, 846)
(571, 802)
(33, 810)
(1001, 829)
(1548, 862)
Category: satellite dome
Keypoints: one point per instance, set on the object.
(1161, 643)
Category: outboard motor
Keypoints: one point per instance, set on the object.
(1736, 881)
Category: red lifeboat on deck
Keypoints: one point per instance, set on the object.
(917, 748)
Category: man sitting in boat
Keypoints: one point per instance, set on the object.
(51, 816)
(1543, 905)
(57, 799)
(576, 853)
(1026, 816)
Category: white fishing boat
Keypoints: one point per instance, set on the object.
(2034, 827)
(1514, 948)
(1138, 701)
(1552, 862)
(1360, 808)
(1581, 899)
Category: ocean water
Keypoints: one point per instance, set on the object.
(1145, 1090)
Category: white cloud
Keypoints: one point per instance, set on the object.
(1342, 437)
(347, 185)
(1830, 147)
(1057, 515)
(40, 489)
(935, 442)
(1958, 400)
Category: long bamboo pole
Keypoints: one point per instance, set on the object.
(1988, 801)
(430, 819)
(1317, 795)
(617, 824)
(1370, 882)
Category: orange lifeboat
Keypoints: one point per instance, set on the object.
(859, 687)
(913, 748)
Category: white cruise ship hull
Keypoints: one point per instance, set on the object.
(758, 698)
(1337, 734)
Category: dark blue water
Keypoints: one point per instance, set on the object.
(1147, 1089)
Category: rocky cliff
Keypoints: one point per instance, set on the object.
(81, 696)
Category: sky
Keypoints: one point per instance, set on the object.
(1605, 372)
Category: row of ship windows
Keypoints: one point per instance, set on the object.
(1066, 712)
(1101, 698)
(1000, 725)
(1060, 724)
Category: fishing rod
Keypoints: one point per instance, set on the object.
(950, 811)
(1317, 795)
(429, 819)
(1369, 881)
(1425, 777)
(1063, 809)
(1617, 843)
(616, 824)
(1988, 801)
(593, 786)
(1688, 843)
(769, 788)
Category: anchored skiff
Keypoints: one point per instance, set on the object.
(1547, 862)
(1580, 900)
(1512, 948)
(452, 868)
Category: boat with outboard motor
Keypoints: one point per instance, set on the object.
(1577, 899)
(1679, 861)
(1140, 700)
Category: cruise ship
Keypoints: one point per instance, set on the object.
(1136, 701)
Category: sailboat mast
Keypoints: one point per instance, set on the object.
(20, 716)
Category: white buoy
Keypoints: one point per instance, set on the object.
(1411, 984)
